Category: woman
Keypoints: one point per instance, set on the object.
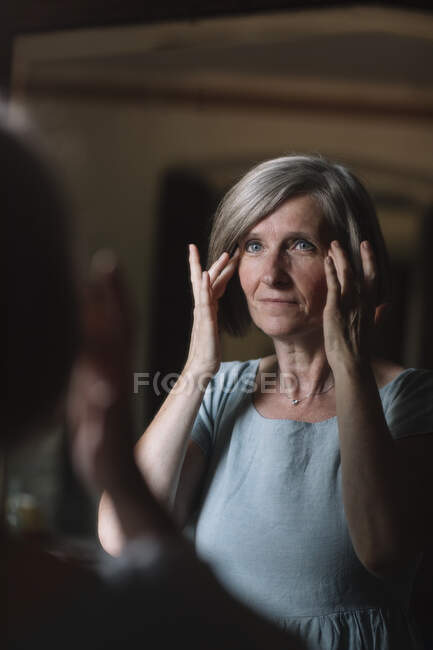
(311, 464)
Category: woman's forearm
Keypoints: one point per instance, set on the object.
(159, 455)
(374, 479)
(127, 510)
(160, 452)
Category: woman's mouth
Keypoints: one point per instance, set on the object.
(279, 300)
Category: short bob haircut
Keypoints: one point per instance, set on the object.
(344, 201)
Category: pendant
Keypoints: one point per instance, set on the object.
(295, 402)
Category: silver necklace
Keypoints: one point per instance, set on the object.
(295, 402)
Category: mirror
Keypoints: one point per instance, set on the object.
(149, 125)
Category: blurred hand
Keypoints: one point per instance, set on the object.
(99, 398)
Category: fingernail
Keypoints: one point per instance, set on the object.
(365, 244)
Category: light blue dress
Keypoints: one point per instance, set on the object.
(271, 521)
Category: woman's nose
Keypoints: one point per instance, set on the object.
(275, 271)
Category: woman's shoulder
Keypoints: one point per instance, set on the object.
(267, 364)
(389, 374)
(386, 371)
(232, 374)
(236, 368)
(408, 402)
(233, 380)
(407, 398)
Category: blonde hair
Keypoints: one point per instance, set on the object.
(344, 201)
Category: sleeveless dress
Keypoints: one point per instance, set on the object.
(271, 522)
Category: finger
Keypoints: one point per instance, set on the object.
(108, 308)
(332, 282)
(103, 265)
(205, 290)
(195, 272)
(236, 256)
(96, 311)
(220, 284)
(217, 266)
(119, 304)
(342, 266)
(123, 302)
(223, 279)
(369, 269)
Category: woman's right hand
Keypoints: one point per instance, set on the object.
(208, 287)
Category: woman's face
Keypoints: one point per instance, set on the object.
(281, 269)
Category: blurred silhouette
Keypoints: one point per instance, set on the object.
(78, 343)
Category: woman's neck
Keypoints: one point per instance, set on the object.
(302, 366)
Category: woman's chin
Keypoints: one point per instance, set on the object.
(281, 329)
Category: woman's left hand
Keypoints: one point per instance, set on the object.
(349, 313)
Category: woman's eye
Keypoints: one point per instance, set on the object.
(304, 245)
(253, 247)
